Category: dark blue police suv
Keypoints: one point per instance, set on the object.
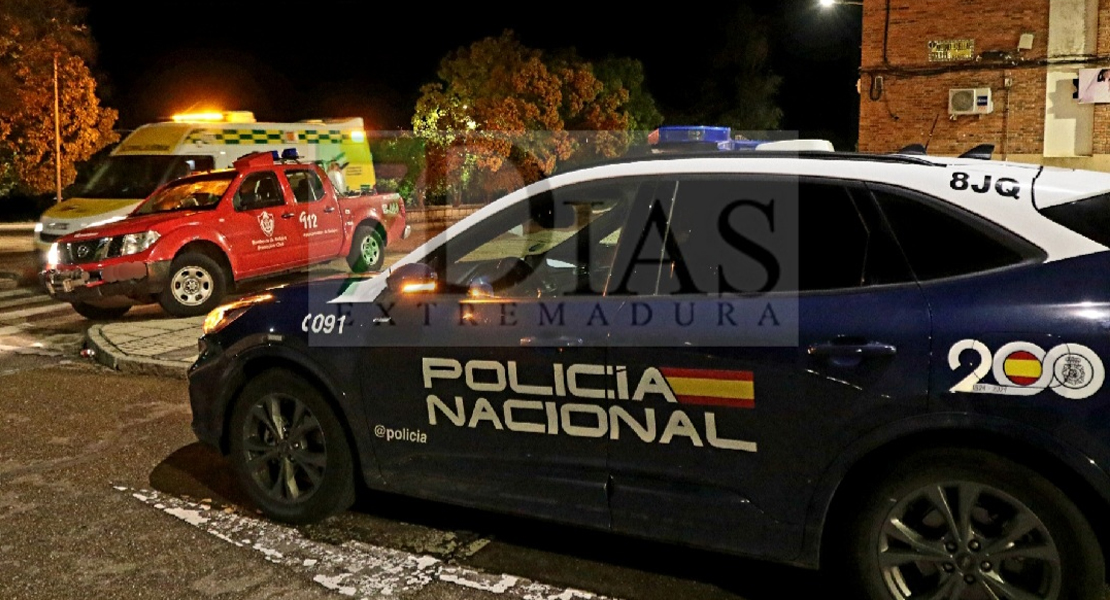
(886, 366)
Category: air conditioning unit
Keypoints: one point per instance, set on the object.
(970, 101)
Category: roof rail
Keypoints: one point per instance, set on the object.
(765, 154)
(982, 152)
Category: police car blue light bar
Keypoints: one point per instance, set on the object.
(681, 134)
(688, 138)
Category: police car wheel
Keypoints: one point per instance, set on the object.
(196, 285)
(367, 250)
(100, 313)
(970, 524)
(289, 450)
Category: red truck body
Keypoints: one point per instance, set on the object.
(195, 237)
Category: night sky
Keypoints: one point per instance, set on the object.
(296, 60)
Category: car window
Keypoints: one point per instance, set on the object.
(317, 185)
(259, 190)
(943, 241)
(552, 244)
(833, 239)
(729, 235)
(305, 184)
(192, 193)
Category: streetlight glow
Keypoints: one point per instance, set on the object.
(828, 3)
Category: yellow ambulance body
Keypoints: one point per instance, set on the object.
(159, 152)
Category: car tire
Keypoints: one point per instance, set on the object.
(99, 313)
(292, 480)
(367, 250)
(902, 542)
(196, 284)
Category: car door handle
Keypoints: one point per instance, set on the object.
(852, 348)
(329, 209)
(288, 215)
(562, 340)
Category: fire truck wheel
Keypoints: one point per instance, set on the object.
(196, 285)
(367, 250)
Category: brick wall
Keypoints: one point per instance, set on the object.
(1102, 111)
(913, 106)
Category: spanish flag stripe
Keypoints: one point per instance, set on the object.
(1026, 368)
(713, 401)
(720, 388)
(670, 372)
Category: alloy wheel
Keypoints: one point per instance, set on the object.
(284, 446)
(967, 541)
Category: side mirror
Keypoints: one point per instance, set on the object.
(480, 287)
(413, 278)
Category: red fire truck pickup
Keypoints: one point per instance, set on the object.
(194, 238)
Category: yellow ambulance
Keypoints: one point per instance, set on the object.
(159, 152)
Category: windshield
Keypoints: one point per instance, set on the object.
(188, 194)
(138, 176)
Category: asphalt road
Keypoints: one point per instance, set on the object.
(104, 493)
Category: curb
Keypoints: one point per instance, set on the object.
(106, 353)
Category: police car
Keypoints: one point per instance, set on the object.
(892, 367)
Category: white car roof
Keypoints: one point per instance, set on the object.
(1006, 193)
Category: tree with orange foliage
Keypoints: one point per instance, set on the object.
(502, 115)
(32, 34)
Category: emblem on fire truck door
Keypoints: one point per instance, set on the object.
(266, 221)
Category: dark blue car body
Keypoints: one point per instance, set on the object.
(749, 422)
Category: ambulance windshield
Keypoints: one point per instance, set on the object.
(136, 176)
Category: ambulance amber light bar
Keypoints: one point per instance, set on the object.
(231, 116)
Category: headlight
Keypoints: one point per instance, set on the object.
(137, 242)
(38, 227)
(223, 315)
(53, 255)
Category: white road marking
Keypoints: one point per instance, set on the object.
(41, 335)
(22, 327)
(30, 299)
(21, 292)
(353, 569)
(31, 350)
(38, 310)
